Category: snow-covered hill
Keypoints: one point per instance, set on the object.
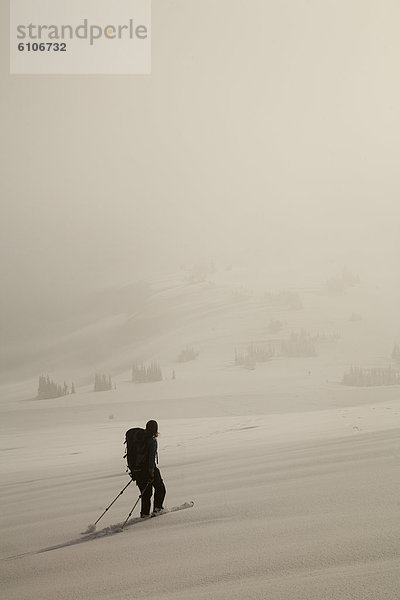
(294, 476)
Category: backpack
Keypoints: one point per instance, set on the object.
(137, 451)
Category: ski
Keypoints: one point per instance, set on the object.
(136, 520)
(172, 509)
(165, 511)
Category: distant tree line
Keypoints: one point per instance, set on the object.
(299, 344)
(396, 353)
(375, 376)
(142, 373)
(275, 326)
(187, 354)
(102, 383)
(338, 285)
(254, 354)
(325, 337)
(49, 389)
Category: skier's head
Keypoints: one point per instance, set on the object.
(152, 428)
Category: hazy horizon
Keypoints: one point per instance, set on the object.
(266, 135)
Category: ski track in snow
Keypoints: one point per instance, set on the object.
(106, 532)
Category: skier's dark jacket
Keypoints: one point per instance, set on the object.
(153, 447)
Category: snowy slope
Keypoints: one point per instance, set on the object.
(295, 478)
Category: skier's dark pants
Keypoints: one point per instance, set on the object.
(159, 491)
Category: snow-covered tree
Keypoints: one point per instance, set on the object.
(142, 373)
(102, 383)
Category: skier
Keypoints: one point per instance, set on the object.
(150, 476)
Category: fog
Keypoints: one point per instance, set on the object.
(267, 135)
(215, 246)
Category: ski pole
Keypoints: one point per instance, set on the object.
(115, 499)
(134, 506)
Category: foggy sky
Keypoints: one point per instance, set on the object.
(267, 131)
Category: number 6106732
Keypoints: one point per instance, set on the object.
(42, 47)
